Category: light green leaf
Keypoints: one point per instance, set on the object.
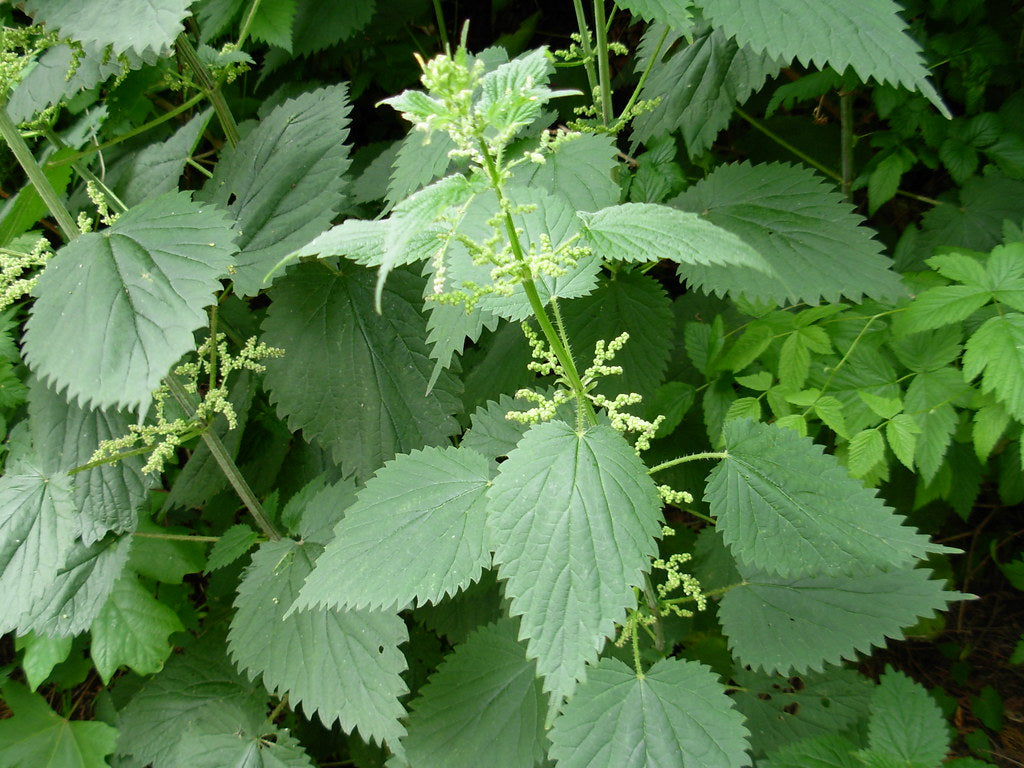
(676, 714)
(902, 432)
(885, 407)
(884, 181)
(800, 225)
(927, 351)
(513, 94)
(272, 23)
(37, 736)
(941, 306)
(579, 170)
(374, 390)
(132, 630)
(632, 303)
(312, 513)
(107, 497)
(751, 343)
(483, 706)
(868, 36)
(785, 506)
(342, 665)
(990, 421)
(424, 509)
(421, 159)
(697, 85)
(233, 543)
(906, 721)
(830, 411)
(199, 684)
(116, 309)
(930, 397)
(794, 361)
(744, 408)
(41, 655)
(284, 181)
(127, 25)
(571, 519)
(996, 352)
(865, 451)
(643, 232)
(780, 625)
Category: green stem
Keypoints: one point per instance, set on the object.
(712, 593)
(846, 143)
(786, 145)
(35, 174)
(652, 606)
(278, 709)
(588, 51)
(226, 464)
(643, 77)
(210, 88)
(442, 30)
(685, 459)
(603, 69)
(636, 649)
(176, 537)
(247, 24)
(115, 202)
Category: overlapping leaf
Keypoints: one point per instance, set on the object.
(47, 83)
(996, 352)
(783, 625)
(284, 181)
(483, 706)
(579, 170)
(116, 309)
(572, 519)
(424, 509)
(676, 714)
(368, 402)
(126, 25)
(800, 226)
(677, 15)
(906, 721)
(786, 507)
(342, 665)
(868, 36)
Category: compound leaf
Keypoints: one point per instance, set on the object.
(370, 403)
(572, 518)
(676, 714)
(425, 510)
(116, 309)
(780, 625)
(868, 36)
(800, 225)
(127, 25)
(284, 181)
(132, 630)
(342, 665)
(484, 705)
(786, 507)
(37, 736)
(996, 352)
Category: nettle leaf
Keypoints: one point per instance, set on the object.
(37, 736)
(41, 655)
(868, 36)
(233, 543)
(370, 402)
(572, 519)
(906, 721)
(217, 744)
(107, 497)
(342, 665)
(785, 506)
(676, 713)
(824, 751)
(272, 23)
(779, 625)
(631, 302)
(484, 705)
(643, 232)
(579, 170)
(284, 181)
(322, 23)
(132, 630)
(676, 15)
(697, 85)
(127, 25)
(494, 435)
(801, 227)
(425, 510)
(421, 159)
(312, 513)
(116, 309)
(996, 352)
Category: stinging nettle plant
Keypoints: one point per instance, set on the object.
(463, 553)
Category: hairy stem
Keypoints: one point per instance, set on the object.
(603, 69)
(226, 464)
(35, 174)
(685, 459)
(787, 146)
(243, 34)
(643, 77)
(442, 30)
(210, 88)
(588, 51)
(176, 537)
(846, 143)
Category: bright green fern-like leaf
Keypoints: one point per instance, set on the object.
(37, 736)
(483, 706)
(996, 352)
(132, 629)
(785, 506)
(571, 519)
(284, 181)
(868, 36)
(115, 309)
(126, 25)
(370, 403)
(675, 714)
(812, 240)
(425, 510)
(342, 665)
(783, 625)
